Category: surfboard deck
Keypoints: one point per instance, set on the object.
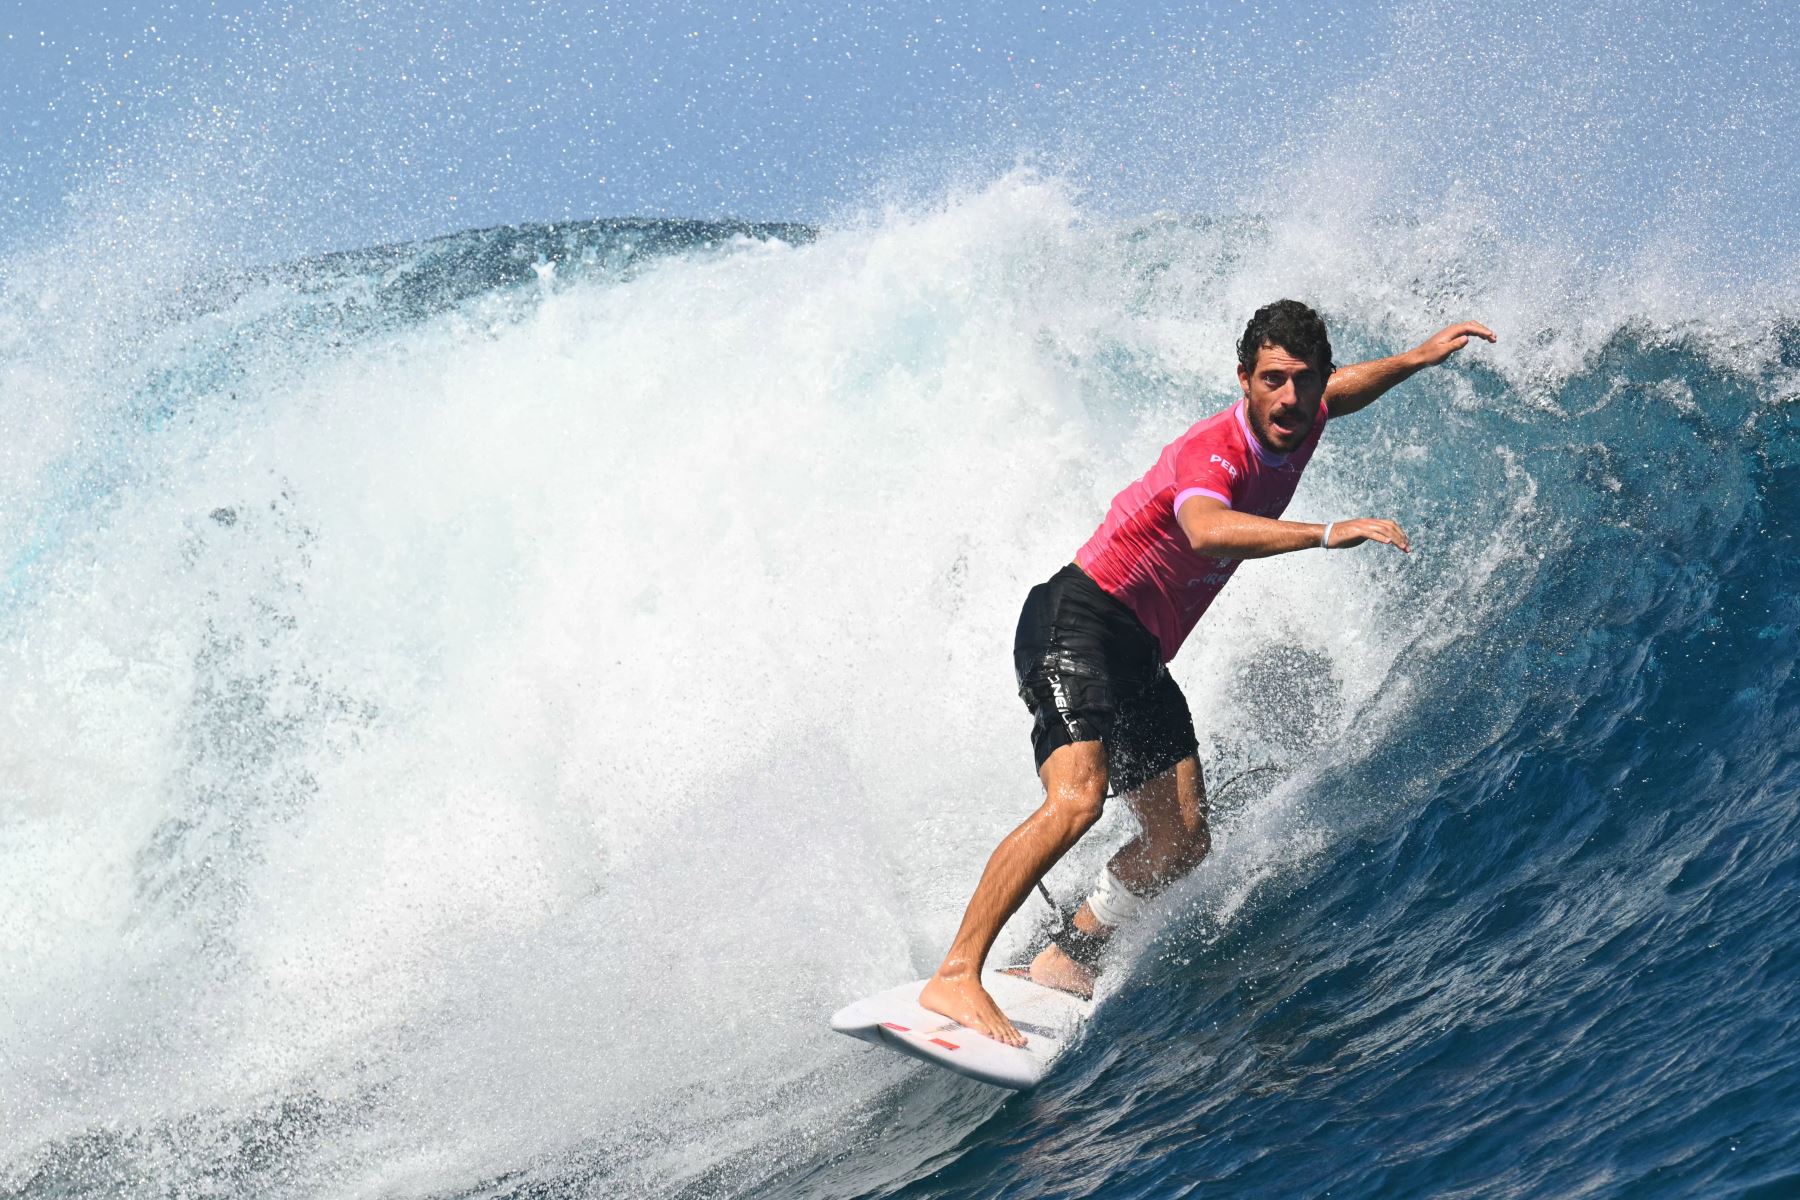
(1049, 1019)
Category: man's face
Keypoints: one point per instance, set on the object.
(1282, 397)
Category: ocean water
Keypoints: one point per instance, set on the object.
(470, 710)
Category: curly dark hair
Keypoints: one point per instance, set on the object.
(1293, 327)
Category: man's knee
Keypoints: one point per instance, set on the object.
(1075, 784)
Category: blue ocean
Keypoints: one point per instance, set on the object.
(471, 709)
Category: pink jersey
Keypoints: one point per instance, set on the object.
(1139, 553)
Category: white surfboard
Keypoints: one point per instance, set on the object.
(1049, 1019)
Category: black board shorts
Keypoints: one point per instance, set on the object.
(1089, 671)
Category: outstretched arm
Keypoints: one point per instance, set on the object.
(1355, 387)
(1216, 531)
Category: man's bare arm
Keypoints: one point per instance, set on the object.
(1215, 530)
(1355, 387)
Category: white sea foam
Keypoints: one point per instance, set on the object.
(494, 746)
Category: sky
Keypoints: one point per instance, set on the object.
(301, 127)
(407, 116)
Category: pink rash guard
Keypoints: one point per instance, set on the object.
(1139, 553)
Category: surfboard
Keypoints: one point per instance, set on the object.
(1049, 1019)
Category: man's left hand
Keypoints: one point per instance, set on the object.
(1447, 341)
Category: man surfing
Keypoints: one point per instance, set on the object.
(1095, 639)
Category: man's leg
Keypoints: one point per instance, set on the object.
(1173, 835)
(1074, 778)
(1172, 839)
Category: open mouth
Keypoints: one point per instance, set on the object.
(1289, 422)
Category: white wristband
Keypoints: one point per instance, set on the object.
(1325, 539)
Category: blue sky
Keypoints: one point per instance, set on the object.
(301, 127)
(408, 116)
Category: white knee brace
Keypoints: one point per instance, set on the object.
(1112, 903)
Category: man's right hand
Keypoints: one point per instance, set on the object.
(1367, 529)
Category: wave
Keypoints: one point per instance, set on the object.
(474, 707)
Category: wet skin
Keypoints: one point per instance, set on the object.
(1172, 839)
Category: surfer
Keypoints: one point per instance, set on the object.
(1094, 641)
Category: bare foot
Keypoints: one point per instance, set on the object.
(962, 998)
(1053, 968)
